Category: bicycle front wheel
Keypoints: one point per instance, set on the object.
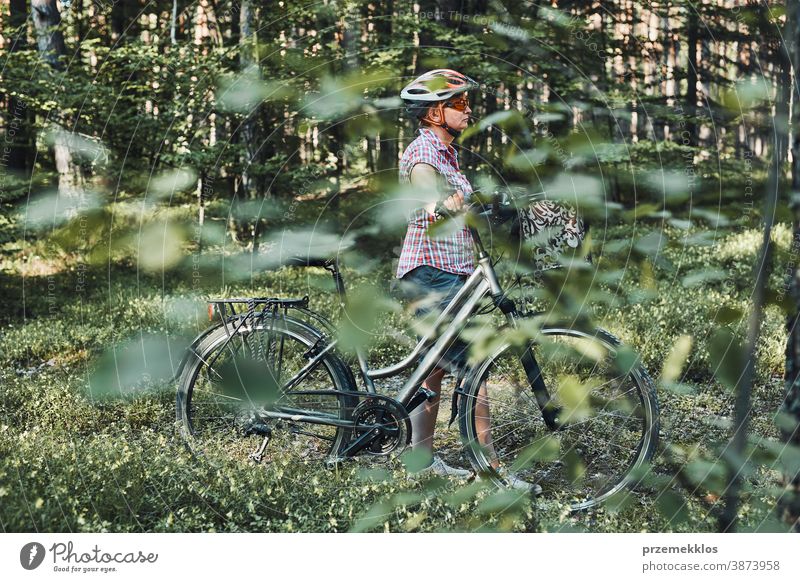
(604, 422)
(232, 379)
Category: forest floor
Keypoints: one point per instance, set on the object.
(70, 462)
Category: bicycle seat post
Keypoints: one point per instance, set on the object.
(333, 268)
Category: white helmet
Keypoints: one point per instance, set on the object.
(433, 87)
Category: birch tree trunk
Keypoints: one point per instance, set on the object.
(50, 40)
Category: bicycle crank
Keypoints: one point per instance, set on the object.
(380, 427)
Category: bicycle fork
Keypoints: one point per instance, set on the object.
(534, 374)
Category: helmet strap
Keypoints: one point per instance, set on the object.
(439, 107)
(450, 130)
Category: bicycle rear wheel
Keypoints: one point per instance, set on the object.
(230, 380)
(607, 421)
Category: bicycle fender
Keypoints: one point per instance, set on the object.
(190, 350)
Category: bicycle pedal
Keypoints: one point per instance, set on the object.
(258, 455)
(422, 395)
(336, 462)
(429, 394)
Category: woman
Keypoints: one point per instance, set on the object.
(437, 267)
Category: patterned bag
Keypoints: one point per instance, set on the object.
(550, 230)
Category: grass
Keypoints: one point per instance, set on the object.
(70, 462)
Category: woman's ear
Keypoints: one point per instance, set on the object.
(435, 114)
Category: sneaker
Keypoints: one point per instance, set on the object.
(440, 468)
(513, 481)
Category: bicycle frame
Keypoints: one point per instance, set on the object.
(481, 283)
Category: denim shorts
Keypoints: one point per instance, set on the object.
(424, 281)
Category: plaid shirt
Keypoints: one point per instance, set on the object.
(451, 252)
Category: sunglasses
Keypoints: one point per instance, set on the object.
(458, 104)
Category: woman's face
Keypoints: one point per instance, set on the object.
(456, 112)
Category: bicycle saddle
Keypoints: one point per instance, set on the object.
(308, 261)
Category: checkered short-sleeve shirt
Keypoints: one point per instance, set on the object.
(451, 252)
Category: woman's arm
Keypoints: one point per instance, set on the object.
(425, 176)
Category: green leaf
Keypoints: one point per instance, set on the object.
(710, 475)
(507, 118)
(697, 278)
(715, 219)
(136, 365)
(527, 160)
(786, 456)
(502, 501)
(415, 460)
(242, 93)
(626, 359)
(726, 315)
(464, 494)
(728, 357)
(678, 388)
(377, 515)
(619, 501)
(745, 95)
(248, 381)
(673, 506)
(374, 475)
(543, 449)
(703, 238)
(51, 209)
(160, 246)
(651, 244)
(169, 183)
(676, 359)
(673, 184)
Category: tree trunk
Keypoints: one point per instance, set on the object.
(390, 118)
(46, 18)
(50, 39)
(692, 25)
(742, 406)
(123, 19)
(605, 77)
(790, 502)
(19, 132)
(173, 23)
(246, 62)
(247, 134)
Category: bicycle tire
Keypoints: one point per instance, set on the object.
(608, 430)
(215, 427)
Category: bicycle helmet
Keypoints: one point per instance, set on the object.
(432, 88)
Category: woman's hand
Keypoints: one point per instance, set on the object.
(455, 202)
(425, 176)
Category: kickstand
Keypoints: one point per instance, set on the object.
(258, 454)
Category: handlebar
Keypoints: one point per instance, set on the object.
(499, 209)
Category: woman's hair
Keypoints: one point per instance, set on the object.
(425, 120)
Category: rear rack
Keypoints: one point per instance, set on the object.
(233, 304)
(237, 313)
(251, 310)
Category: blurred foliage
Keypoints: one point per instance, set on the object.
(200, 175)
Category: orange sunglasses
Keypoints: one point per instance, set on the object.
(460, 104)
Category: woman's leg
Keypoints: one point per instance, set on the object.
(423, 418)
(440, 286)
(483, 424)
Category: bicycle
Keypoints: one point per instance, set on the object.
(564, 412)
